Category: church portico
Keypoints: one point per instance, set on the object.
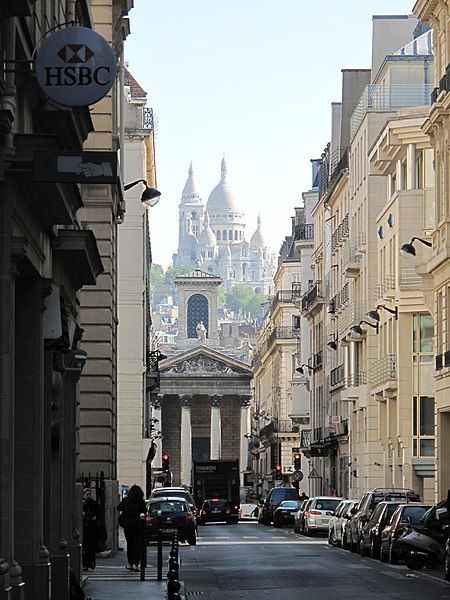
(204, 400)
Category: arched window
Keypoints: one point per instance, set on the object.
(224, 235)
(244, 269)
(218, 235)
(236, 235)
(197, 310)
(209, 253)
(230, 235)
(194, 215)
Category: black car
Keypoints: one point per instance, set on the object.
(403, 517)
(285, 513)
(214, 511)
(274, 499)
(172, 515)
(370, 537)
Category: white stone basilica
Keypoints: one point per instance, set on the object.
(213, 237)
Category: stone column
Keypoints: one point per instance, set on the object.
(186, 442)
(398, 175)
(215, 428)
(157, 426)
(245, 429)
(411, 167)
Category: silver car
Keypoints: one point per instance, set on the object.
(318, 514)
(338, 521)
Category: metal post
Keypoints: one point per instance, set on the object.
(159, 551)
(143, 547)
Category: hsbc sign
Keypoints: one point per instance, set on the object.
(75, 66)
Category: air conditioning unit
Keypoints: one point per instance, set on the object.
(332, 307)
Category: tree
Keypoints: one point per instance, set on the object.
(253, 306)
(222, 295)
(242, 299)
(156, 276)
(173, 272)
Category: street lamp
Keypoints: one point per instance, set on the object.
(331, 345)
(408, 251)
(150, 196)
(301, 370)
(357, 331)
(375, 315)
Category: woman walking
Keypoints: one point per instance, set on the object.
(91, 520)
(131, 508)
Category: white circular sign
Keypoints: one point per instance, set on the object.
(75, 66)
(297, 476)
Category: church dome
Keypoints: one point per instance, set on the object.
(206, 237)
(222, 198)
(257, 241)
(190, 193)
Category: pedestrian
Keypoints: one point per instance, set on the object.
(130, 510)
(333, 493)
(304, 496)
(91, 521)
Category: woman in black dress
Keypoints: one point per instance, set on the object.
(91, 520)
(131, 507)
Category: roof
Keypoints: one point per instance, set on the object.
(135, 89)
(197, 274)
(222, 198)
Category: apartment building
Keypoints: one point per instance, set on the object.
(436, 264)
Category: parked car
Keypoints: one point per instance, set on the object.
(298, 517)
(370, 536)
(174, 492)
(403, 516)
(214, 511)
(338, 521)
(172, 515)
(273, 500)
(365, 507)
(318, 514)
(284, 514)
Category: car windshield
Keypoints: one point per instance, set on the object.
(217, 504)
(283, 494)
(395, 496)
(413, 513)
(289, 504)
(326, 504)
(167, 506)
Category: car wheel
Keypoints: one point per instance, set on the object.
(374, 550)
(392, 556)
(383, 556)
(332, 539)
(447, 566)
(345, 544)
(305, 529)
(362, 548)
(296, 530)
(353, 546)
(192, 539)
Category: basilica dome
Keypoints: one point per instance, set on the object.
(222, 198)
(190, 193)
(206, 237)
(258, 241)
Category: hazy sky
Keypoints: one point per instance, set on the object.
(251, 79)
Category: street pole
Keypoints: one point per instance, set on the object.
(143, 547)
(159, 550)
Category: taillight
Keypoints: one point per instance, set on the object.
(149, 519)
(236, 506)
(228, 511)
(189, 517)
(204, 512)
(315, 512)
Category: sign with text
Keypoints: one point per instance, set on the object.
(75, 66)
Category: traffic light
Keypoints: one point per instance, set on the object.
(165, 461)
(297, 461)
(277, 471)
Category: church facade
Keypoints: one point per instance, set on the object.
(213, 237)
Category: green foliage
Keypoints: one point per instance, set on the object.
(173, 272)
(156, 276)
(242, 299)
(222, 294)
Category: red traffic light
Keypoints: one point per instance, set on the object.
(297, 456)
(165, 456)
(278, 468)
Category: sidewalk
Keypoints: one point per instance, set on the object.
(111, 581)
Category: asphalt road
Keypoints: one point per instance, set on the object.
(252, 561)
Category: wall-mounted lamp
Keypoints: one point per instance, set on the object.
(331, 345)
(408, 250)
(357, 331)
(375, 315)
(301, 370)
(150, 196)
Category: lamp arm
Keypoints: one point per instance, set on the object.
(424, 242)
(130, 185)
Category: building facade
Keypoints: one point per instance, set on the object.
(213, 236)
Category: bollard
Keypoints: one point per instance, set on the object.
(159, 550)
(173, 585)
(143, 547)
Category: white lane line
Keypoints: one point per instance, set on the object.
(266, 542)
(250, 537)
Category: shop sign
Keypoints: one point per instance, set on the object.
(75, 66)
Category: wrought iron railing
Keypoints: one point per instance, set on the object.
(281, 297)
(147, 118)
(385, 286)
(296, 290)
(312, 295)
(281, 333)
(352, 314)
(305, 438)
(383, 369)
(355, 379)
(409, 279)
(304, 232)
(337, 377)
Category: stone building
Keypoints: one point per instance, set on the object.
(213, 236)
(435, 267)
(49, 253)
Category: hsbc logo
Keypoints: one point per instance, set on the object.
(76, 66)
(75, 53)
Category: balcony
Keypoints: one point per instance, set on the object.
(296, 293)
(313, 299)
(352, 314)
(332, 165)
(281, 297)
(386, 288)
(340, 233)
(410, 280)
(355, 380)
(335, 431)
(275, 427)
(147, 118)
(386, 97)
(339, 300)
(337, 378)
(305, 439)
(281, 333)
(304, 232)
(383, 375)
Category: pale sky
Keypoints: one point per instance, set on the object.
(251, 79)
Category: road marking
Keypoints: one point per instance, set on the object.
(250, 537)
(211, 542)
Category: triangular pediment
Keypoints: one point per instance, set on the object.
(197, 274)
(204, 362)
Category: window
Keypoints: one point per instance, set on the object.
(423, 338)
(218, 235)
(423, 426)
(230, 235)
(197, 310)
